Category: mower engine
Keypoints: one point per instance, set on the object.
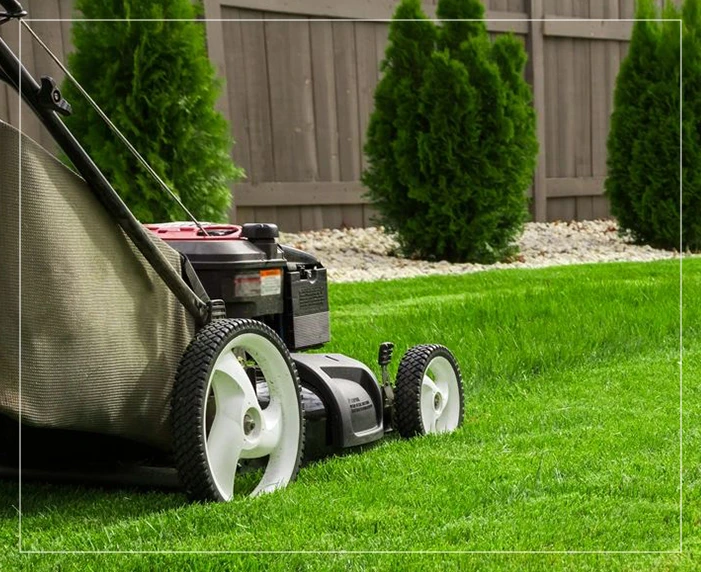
(257, 278)
(286, 289)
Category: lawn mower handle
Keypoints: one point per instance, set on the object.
(10, 70)
(13, 8)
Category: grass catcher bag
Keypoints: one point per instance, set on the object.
(95, 334)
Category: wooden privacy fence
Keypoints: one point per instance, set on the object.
(300, 83)
(299, 90)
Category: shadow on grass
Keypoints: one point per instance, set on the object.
(86, 501)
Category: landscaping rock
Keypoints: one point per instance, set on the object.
(365, 254)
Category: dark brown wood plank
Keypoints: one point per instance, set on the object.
(599, 95)
(291, 99)
(244, 215)
(312, 218)
(216, 46)
(567, 96)
(537, 75)
(497, 5)
(381, 39)
(353, 216)
(324, 80)
(370, 216)
(626, 10)
(594, 29)
(584, 208)
(299, 193)
(613, 61)
(373, 10)
(563, 187)
(31, 126)
(501, 22)
(67, 15)
(265, 214)
(561, 209)
(51, 35)
(236, 89)
(288, 219)
(333, 217)
(366, 65)
(583, 90)
(552, 103)
(346, 100)
(259, 121)
(600, 208)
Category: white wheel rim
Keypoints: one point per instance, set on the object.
(440, 397)
(241, 429)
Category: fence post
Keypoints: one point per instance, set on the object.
(537, 73)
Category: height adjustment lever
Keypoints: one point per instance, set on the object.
(384, 357)
(50, 97)
(385, 354)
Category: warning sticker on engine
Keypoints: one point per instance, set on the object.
(263, 283)
(270, 282)
(247, 285)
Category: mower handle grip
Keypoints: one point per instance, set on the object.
(13, 8)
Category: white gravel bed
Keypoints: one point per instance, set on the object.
(364, 254)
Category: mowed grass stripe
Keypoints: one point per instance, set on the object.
(571, 439)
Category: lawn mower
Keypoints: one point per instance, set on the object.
(182, 342)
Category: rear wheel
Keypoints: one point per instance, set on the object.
(428, 392)
(236, 404)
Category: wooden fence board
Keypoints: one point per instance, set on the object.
(237, 91)
(299, 193)
(592, 30)
(567, 99)
(30, 124)
(583, 111)
(259, 120)
(563, 187)
(312, 218)
(326, 123)
(299, 96)
(536, 72)
(288, 219)
(291, 99)
(67, 13)
(50, 34)
(370, 216)
(346, 100)
(367, 67)
(324, 79)
(352, 192)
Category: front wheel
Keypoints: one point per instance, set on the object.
(428, 392)
(236, 404)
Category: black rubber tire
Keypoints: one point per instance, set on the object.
(188, 400)
(407, 392)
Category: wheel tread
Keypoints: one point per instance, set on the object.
(187, 403)
(407, 403)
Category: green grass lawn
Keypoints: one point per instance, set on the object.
(570, 442)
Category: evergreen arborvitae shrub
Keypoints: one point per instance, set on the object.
(644, 141)
(392, 138)
(691, 126)
(452, 142)
(156, 83)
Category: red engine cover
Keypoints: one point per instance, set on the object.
(189, 231)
